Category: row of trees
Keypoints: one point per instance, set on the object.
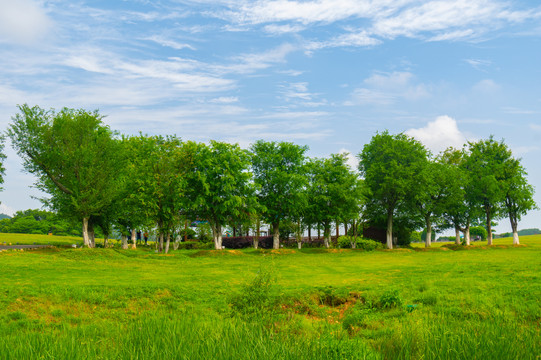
(451, 190)
(34, 221)
(102, 179)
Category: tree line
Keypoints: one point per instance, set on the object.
(103, 179)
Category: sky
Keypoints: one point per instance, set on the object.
(328, 73)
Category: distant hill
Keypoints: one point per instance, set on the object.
(4, 216)
(523, 232)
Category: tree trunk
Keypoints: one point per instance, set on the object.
(124, 240)
(217, 235)
(256, 237)
(327, 235)
(105, 240)
(133, 239)
(345, 228)
(176, 244)
(91, 234)
(467, 235)
(299, 234)
(167, 242)
(389, 229)
(160, 245)
(515, 230)
(276, 235)
(457, 235)
(86, 238)
(428, 240)
(489, 225)
(337, 229)
(309, 233)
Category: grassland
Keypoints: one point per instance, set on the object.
(481, 303)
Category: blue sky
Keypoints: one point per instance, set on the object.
(327, 74)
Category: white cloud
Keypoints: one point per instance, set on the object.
(8, 210)
(353, 39)
(439, 134)
(169, 43)
(486, 86)
(479, 64)
(352, 160)
(23, 21)
(225, 100)
(283, 29)
(386, 88)
(305, 12)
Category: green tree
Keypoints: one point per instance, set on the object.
(486, 164)
(75, 157)
(461, 203)
(159, 186)
(219, 185)
(391, 166)
(279, 178)
(439, 188)
(332, 192)
(2, 159)
(518, 194)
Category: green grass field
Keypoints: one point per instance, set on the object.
(483, 303)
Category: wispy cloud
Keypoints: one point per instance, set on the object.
(386, 88)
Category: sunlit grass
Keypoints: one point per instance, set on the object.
(337, 304)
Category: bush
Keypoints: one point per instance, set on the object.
(389, 299)
(344, 242)
(256, 296)
(478, 231)
(368, 245)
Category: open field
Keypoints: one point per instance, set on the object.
(311, 304)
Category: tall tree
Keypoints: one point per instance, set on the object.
(2, 159)
(459, 206)
(160, 185)
(278, 175)
(333, 191)
(219, 185)
(486, 163)
(391, 166)
(518, 194)
(75, 156)
(438, 185)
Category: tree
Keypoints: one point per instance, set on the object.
(333, 192)
(75, 156)
(518, 194)
(440, 188)
(486, 163)
(391, 166)
(278, 175)
(159, 188)
(219, 185)
(2, 159)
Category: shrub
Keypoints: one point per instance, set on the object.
(256, 296)
(344, 241)
(368, 245)
(389, 299)
(478, 231)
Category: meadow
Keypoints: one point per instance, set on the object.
(440, 303)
